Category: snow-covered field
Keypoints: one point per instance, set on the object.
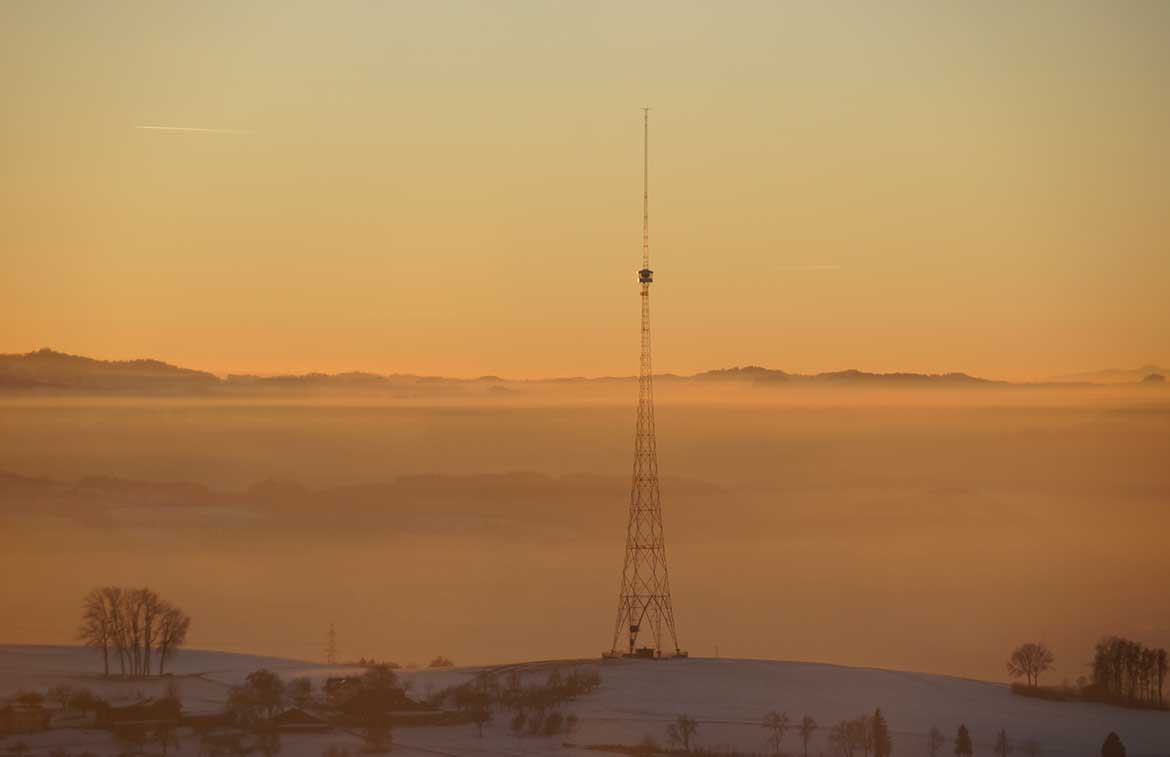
(637, 698)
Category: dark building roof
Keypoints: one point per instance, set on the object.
(295, 717)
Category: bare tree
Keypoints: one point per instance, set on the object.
(268, 690)
(96, 630)
(300, 691)
(864, 728)
(152, 607)
(132, 622)
(682, 732)
(808, 726)
(935, 741)
(243, 703)
(1162, 668)
(1003, 746)
(118, 634)
(845, 738)
(172, 634)
(1030, 660)
(776, 724)
(165, 735)
(480, 711)
(258, 699)
(518, 723)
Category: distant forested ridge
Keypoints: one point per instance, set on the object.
(49, 372)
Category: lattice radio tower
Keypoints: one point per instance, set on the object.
(644, 603)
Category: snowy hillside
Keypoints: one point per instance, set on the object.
(640, 697)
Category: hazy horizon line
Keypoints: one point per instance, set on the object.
(224, 374)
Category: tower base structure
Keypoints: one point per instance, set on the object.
(644, 653)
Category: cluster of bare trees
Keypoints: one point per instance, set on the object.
(533, 706)
(130, 625)
(868, 736)
(1129, 672)
(777, 724)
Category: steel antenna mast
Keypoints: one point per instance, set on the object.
(644, 602)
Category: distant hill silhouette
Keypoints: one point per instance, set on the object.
(1113, 375)
(759, 375)
(48, 372)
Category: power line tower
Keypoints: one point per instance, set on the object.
(644, 603)
(331, 647)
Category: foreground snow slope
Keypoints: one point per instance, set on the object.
(640, 697)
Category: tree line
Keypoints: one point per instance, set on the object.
(134, 626)
(1129, 672)
(1123, 672)
(864, 736)
(533, 706)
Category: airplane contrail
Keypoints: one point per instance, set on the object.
(193, 128)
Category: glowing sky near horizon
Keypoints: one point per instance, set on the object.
(454, 188)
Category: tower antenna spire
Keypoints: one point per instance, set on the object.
(646, 187)
(644, 602)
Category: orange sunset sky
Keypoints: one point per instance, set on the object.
(455, 189)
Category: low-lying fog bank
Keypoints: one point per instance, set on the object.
(915, 530)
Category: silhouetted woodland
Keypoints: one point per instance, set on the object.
(1122, 672)
(1127, 672)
